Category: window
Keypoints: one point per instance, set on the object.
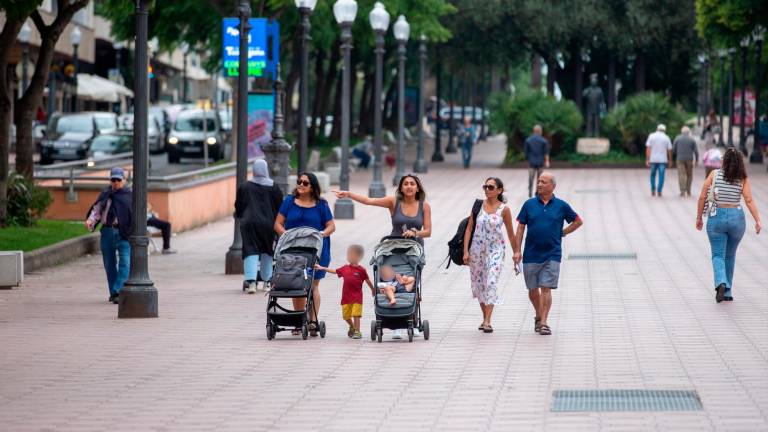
(194, 124)
(106, 123)
(84, 16)
(77, 123)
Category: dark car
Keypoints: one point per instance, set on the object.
(110, 144)
(68, 136)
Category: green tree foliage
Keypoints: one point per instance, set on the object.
(629, 124)
(516, 116)
(725, 22)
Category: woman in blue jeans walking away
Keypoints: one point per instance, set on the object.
(112, 210)
(722, 192)
(256, 206)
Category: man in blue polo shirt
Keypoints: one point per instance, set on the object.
(544, 216)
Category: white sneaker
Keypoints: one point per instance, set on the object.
(397, 334)
(251, 288)
(266, 287)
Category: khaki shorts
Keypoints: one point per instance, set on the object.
(351, 310)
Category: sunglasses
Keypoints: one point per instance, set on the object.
(304, 183)
(115, 180)
(489, 187)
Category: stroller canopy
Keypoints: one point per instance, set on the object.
(399, 246)
(300, 237)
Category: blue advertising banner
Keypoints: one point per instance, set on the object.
(257, 46)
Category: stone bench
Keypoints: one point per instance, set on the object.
(11, 268)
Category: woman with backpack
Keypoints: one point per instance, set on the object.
(484, 247)
(410, 213)
(305, 207)
(723, 191)
(256, 205)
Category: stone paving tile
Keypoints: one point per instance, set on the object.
(67, 363)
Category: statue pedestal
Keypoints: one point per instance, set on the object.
(593, 146)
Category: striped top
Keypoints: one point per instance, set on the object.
(726, 193)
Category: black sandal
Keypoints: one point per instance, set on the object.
(295, 332)
(536, 324)
(313, 330)
(488, 329)
(481, 327)
(544, 330)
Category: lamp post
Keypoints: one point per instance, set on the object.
(379, 18)
(74, 38)
(278, 150)
(402, 31)
(184, 86)
(25, 34)
(138, 298)
(731, 59)
(420, 166)
(234, 260)
(757, 36)
(721, 55)
(743, 106)
(437, 155)
(305, 10)
(345, 11)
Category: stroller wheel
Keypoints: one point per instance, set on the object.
(270, 332)
(379, 332)
(410, 333)
(373, 330)
(425, 329)
(322, 329)
(304, 331)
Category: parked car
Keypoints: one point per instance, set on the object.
(445, 114)
(68, 136)
(110, 144)
(191, 131)
(155, 133)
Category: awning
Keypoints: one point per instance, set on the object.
(94, 87)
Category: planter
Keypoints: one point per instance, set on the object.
(11, 269)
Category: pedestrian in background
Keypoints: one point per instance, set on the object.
(485, 256)
(256, 205)
(722, 192)
(544, 215)
(165, 229)
(468, 137)
(658, 154)
(536, 150)
(687, 153)
(113, 211)
(712, 160)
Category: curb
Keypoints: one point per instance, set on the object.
(582, 165)
(61, 252)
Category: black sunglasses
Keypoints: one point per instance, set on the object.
(304, 183)
(113, 180)
(489, 187)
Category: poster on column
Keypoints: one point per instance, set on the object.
(749, 114)
(260, 117)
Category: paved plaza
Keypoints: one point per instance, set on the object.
(68, 364)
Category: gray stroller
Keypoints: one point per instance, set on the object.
(406, 256)
(296, 253)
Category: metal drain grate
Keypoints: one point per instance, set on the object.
(602, 256)
(625, 400)
(594, 191)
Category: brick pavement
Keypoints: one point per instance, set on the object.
(67, 363)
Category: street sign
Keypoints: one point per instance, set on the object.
(257, 46)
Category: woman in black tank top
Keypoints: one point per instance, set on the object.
(410, 213)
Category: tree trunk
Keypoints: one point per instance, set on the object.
(578, 78)
(319, 84)
(640, 72)
(331, 77)
(7, 39)
(611, 82)
(365, 119)
(336, 129)
(535, 71)
(290, 84)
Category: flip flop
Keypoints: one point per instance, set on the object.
(536, 324)
(544, 330)
(481, 327)
(488, 329)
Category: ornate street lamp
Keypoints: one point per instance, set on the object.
(234, 259)
(743, 108)
(731, 59)
(379, 18)
(721, 54)
(757, 36)
(402, 31)
(345, 11)
(305, 10)
(184, 88)
(277, 151)
(420, 166)
(138, 298)
(74, 38)
(25, 34)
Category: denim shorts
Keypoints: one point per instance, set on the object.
(541, 275)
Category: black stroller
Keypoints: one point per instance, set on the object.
(406, 256)
(296, 253)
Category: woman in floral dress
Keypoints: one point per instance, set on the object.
(485, 256)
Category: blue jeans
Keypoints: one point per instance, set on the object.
(466, 152)
(725, 230)
(661, 168)
(116, 254)
(365, 158)
(253, 263)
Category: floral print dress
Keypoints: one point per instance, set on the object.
(486, 256)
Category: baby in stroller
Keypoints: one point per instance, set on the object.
(392, 283)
